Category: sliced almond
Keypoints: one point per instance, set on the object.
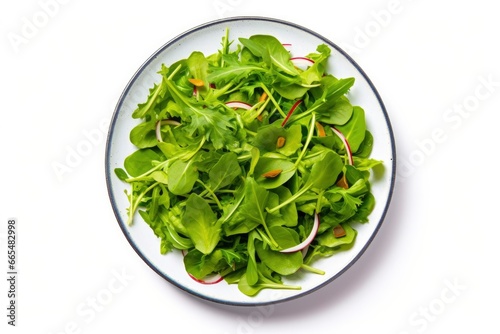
(272, 173)
(321, 130)
(343, 182)
(263, 97)
(280, 142)
(196, 82)
(339, 232)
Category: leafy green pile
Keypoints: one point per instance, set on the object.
(232, 186)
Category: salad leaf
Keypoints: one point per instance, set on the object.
(282, 263)
(181, 177)
(272, 52)
(201, 224)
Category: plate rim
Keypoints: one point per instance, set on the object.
(144, 65)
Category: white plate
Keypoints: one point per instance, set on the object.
(206, 38)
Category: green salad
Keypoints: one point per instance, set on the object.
(251, 162)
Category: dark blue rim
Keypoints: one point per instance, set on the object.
(109, 172)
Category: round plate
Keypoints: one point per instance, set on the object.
(207, 38)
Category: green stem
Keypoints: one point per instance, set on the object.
(170, 77)
(135, 204)
(225, 47)
(227, 91)
(308, 140)
(142, 176)
(312, 155)
(312, 269)
(273, 242)
(280, 286)
(302, 115)
(212, 194)
(276, 104)
(306, 187)
(264, 105)
(318, 202)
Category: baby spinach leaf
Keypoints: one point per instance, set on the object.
(267, 136)
(143, 135)
(263, 283)
(140, 161)
(252, 274)
(254, 204)
(160, 176)
(198, 68)
(272, 52)
(284, 236)
(201, 224)
(282, 263)
(265, 165)
(181, 177)
(365, 149)
(316, 72)
(293, 140)
(324, 173)
(355, 129)
(121, 174)
(337, 111)
(288, 214)
(328, 239)
(224, 171)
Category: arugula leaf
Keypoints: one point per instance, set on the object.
(146, 107)
(200, 265)
(212, 123)
(233, 72)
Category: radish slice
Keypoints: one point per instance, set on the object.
(304, 251)
(208, 280)
(287, 46)
(346, 144)
(302, 62)
(211, 279)
(238, 104)
(292, 109)
(308, 240)
(164, 122)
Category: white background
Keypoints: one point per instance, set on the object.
(432, 267)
